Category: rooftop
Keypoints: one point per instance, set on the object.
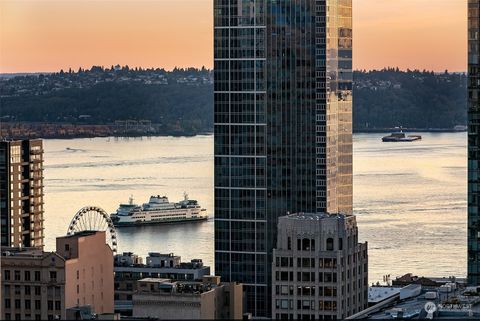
(169, 287)
(378, 294)
(315, 216)
(24, 252)
(154, 280)
(81, 233)
(455, 302)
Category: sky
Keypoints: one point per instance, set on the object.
(49, 35)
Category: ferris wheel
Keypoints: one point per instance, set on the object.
(92, 218)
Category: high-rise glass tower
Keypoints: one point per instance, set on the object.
(283, 127)
(473, 143)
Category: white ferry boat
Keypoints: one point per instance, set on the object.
(158, 211)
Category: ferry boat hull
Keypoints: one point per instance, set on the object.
(166, 221)
(158, 211)
(400, 137)
(401, 140)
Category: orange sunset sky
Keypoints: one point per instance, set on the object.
(47, 35)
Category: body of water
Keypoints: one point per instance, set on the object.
(409, 198)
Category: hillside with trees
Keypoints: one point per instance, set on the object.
(181, 101)
(414, 99)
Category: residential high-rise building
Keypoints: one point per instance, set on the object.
(473, 143)
(21, 193)
(283, 127)
(320, 271)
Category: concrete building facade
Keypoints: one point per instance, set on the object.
(175, 300)
(39, 285)
(21, 193)
(88, 271)
(33, 284)
(320, 270)
(129, 268)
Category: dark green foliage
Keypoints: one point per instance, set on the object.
(382, 99)
(414, 99)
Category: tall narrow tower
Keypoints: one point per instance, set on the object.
(473, 143)
(283, 127)
(21, 193)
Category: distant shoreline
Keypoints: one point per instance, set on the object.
(60, 137)
(409, 130)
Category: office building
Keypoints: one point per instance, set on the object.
(473, 143)
(33, 284)
(21, 193)
(320, 271)
(88, 270)
(283, 127)
(182, 300)
(129, 268)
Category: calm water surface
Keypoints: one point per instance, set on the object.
(410, 198)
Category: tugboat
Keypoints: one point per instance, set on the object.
(401, 137)
(158, 211)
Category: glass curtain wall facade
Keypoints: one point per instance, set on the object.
(283, 127)
(473, 143)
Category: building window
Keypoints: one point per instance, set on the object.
(53, 276)
(58, 305)
(37, 275)
(67, 247)
(306, 245)
(27, 275)
(27, 304)
(329, 244)
(7, 304)
(38, 290)
(27, 289)
(18, 304)
(38, 305)
(50, 305)
(7, 275)
(17, 275)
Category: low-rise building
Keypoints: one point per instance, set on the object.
(182, 300)
(320, 270)
(88, 270)
(416, 302)
(129, 268)
(33, 284)
(39, 285)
